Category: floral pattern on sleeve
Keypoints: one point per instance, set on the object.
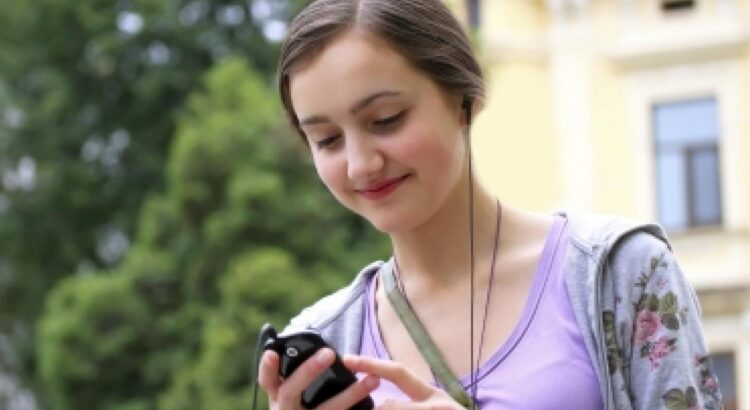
(656, 315)
(666, 340)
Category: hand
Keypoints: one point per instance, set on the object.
(287, 394)
(423, 395)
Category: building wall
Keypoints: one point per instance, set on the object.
(514, 136)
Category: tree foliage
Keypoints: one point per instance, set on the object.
(89, 96)
(242, 234)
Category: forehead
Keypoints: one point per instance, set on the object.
(353, 65)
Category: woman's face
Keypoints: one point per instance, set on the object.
(384, 139)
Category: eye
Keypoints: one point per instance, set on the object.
(327, 141)
(388, 121)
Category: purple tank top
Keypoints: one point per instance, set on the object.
(544, 363)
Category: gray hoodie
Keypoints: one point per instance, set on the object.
(639, 317)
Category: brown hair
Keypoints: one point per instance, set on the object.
(422, 31)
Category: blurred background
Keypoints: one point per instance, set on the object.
(155, 209)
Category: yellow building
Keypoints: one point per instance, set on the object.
(632, 107)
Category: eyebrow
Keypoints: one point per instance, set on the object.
(359, 106)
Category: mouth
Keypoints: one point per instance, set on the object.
(383, 188)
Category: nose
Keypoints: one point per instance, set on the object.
(364, 158)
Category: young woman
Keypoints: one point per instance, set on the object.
(530, 311)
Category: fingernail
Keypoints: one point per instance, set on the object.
(324, 356)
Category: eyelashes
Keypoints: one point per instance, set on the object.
(389, 121)
(380, 126)
(327, 141)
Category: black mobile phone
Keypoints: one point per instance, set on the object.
(294, 348)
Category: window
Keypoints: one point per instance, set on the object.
(474, 13)
(677, 6)
(687, 163)
(723, 365)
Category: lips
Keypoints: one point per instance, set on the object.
(382, 189)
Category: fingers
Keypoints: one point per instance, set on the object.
(425, 405)
(268, 374)
(404, 379)
(290, 391)
(352, 395)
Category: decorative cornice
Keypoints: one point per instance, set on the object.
(567, 8)
(669, 45)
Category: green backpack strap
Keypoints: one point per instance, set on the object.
(424, 343)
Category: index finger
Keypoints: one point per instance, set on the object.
(403, 378)
(268, 374)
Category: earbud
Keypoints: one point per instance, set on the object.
(466, 105)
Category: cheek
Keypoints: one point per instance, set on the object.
(331, 173)
(430, 150)
(324, 170)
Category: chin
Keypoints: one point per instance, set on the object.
(390, 224)
(391, 219)
(385, 228)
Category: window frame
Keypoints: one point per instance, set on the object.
(687, 152)
(474, 14)
(669, 7)
(733, 356)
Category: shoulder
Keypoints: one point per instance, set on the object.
(613, 251)
(597, 233)
(335, 306)
(603, 242)
(626, 285)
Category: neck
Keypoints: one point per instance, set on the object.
(438, 253)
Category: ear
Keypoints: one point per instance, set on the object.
(470, 107)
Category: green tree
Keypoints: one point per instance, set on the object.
(89, 95)
(243, 233)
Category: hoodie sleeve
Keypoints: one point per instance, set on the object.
(656, 328)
